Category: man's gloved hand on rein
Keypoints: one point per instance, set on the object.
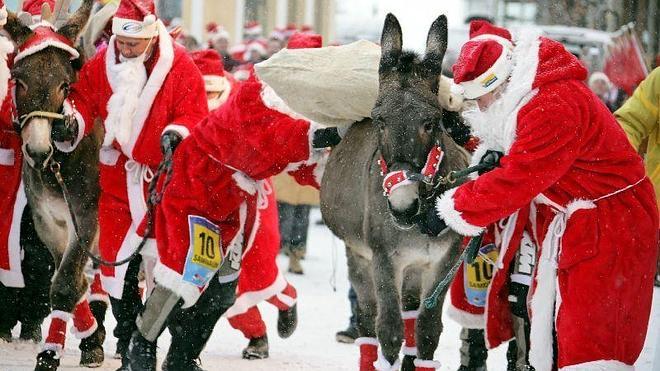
(65, 130)
(492, 159)
(431, 224)
(169, 140)
(327, 137)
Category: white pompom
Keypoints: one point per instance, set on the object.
(149, 19)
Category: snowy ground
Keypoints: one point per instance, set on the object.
(323, 311)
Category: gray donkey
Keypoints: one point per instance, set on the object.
(42, 82)
(391, 264)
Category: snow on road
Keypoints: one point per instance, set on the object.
(323, 311)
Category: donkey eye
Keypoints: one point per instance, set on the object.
(65, 88)
(429, 126)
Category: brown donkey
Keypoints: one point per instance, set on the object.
(45, 66)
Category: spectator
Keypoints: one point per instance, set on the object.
(608, 93)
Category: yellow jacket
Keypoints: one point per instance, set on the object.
(640, 119)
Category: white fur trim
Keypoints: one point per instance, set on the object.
(409, 351)
(245, 183)
(488, 81)
(132, 28)
(57, 348)
(366, 341)
(410, 314)
(7, 156)
(382, 364)
(215, 83)
(98, 297)
(321, 161)
(286, 299)
(465, 319)
(182, 130)
(3, 15)
(14, 276)
(173, 281)
(67, 147)
(152, 87)
(602, 365)
(45, 44)
(447, 211)
(85, 333)
(426, 363)
(274, 102)
(251, 298)
(61, 315)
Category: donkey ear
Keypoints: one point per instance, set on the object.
(436, 41)
(18, 32)
(74, 26)
(391, 41)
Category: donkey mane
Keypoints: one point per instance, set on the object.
(410, 66)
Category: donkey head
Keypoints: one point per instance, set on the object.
(407, 112)
(42, 80)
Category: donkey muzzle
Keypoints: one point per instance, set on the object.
(37, 146)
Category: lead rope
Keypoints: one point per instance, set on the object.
(165, 167)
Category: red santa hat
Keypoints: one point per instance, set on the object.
(210, 65)
(216, 32)
(44, 36)
(290, 29)
(3, 13)
(252, 28)
(135, 19)
(305, 41)
(34, 6)
(306, 28)
(485, 60)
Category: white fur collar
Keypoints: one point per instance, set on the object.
(6, 47)
(496, 127)
(152, 87)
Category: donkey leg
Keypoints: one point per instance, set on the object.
(361, 278)
(429, 323)
(389, 325)
(410, 300)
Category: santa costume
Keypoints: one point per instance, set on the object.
(569, 170)
(138, 100)
(217, 83)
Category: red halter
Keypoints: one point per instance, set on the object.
(396, 179)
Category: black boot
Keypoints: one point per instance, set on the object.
(48, 360)
(473, 350)
(181, 365)
(257, 348)
(91, 349)
(347, 336)
(5, 335)
(31, 332)
(141, 354)
(287, 321)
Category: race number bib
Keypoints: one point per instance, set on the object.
(477, 275)
(205, 251)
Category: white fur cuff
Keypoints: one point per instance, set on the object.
(173, 281)
(465, 319)
(420, 363)
(180, 129)
(447, 211)
(366, 341)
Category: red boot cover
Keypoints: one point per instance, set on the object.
(57, 331)
(285, 299)
(368, 353)
(409, 321)
(84, 323)
(249, 323)
(96, 292)
(422, 365)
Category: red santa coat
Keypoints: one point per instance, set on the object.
(592, 210)
(219, 175)
(172, 99)
(12, 197)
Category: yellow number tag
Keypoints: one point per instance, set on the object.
(478, 275)
(207, 250)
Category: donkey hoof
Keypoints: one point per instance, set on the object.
(92, 358)
(48, 360)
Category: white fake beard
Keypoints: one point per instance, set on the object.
(131, 76)
(6, 47)
(488, 124)
(214, 103)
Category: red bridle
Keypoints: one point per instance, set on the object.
(396, 179)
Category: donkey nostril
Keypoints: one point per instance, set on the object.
(38, 156)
